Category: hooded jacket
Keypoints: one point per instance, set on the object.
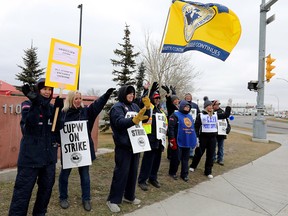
(181, 127)
(119, 123)
(36, 146)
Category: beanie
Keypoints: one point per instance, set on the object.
(173, 98)
(156, 95)
(40, 84)
(207, 102)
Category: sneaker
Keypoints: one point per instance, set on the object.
(191, 169)
(185, 178)
(134, 202)
(143, 186)
(175, 177)
(64, 203)
(155, 183)
(87, 205)
(113, 207)
(220, 163)
(210, 176)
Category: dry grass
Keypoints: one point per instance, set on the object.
(239, 150)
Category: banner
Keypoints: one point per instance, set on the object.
(137, 135)
(209, 28)
(75, 146)
(222, 125)
(161, 128)
(63, 65)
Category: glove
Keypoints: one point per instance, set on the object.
(173, 90)
(173, 144)
(110, 91)
(140, 116)
(59, 102)
(166, 88)
(146, 102)
(155, 87)
(32, 95)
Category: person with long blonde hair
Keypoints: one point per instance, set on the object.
(74, 110)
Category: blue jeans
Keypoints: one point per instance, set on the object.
(85, 182)
(220, 149)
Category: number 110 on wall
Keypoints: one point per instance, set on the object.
(11, 108)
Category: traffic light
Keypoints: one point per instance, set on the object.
(269, 67)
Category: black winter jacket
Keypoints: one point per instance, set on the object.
(37, 146)
(119, 123)
(88, 113)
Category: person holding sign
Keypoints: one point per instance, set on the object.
(125, 119)
(155, 128)
(38, 150)
(76, 142)
(206, 130)
(182, 137)
(223, 129)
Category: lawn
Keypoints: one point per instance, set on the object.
(239, 150)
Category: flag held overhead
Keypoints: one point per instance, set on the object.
(209, 28)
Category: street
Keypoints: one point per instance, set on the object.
(277, 126)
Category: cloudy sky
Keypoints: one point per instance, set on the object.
(22, 22)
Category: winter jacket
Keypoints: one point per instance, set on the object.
(198, 122)
(88, 113)
(119, 123)
(38, 146)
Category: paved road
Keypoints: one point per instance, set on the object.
(272, 126)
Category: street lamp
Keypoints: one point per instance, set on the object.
(277, 104)
(80, 33)
(282, 79)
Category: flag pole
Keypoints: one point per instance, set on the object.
(164, 30)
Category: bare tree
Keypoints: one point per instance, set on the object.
(169, 68)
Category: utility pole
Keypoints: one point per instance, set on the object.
(259, 122)
(80, 34)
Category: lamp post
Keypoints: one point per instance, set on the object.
(80, 34)
(283, 79)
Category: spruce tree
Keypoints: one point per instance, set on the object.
(31, 72)
(140, 79)
(124, 72)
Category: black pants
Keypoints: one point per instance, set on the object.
(124, 175)
(177, 156)
(24, 184)
(150, 165)
(207, 143)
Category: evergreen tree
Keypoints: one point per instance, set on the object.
(125, 75)
(140, 79)
(31, 72)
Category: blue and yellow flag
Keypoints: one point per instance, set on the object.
(209, 28)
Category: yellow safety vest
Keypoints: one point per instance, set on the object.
(148, 125)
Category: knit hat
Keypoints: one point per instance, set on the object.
(156, 95)
(40, 84)
(173, 98)
(214, 102)
(207, 102)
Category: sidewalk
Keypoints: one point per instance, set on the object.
(256, 189)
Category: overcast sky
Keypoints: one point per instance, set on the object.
(103, 28)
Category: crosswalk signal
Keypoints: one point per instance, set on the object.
(269, 67)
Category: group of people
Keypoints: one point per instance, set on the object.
(190, 133)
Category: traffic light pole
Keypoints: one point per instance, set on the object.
(259, 122)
